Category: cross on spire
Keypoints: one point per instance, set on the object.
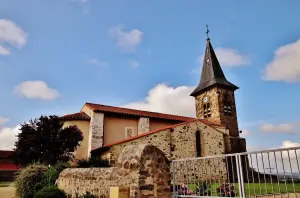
(207, 31)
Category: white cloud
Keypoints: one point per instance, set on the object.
(8, 137)
(228, 58)
(134, 64)
(285, 65)
(11, 35)
(3, 120)
(127, 40)
(289, 128)
(36, 90)
(166, 99)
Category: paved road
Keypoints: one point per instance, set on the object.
(7, 192)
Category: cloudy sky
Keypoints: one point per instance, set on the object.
(57, 54)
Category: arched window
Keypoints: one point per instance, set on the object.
(198, 144)
(227, 105)
(206, 110)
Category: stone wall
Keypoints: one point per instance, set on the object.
(141, 168)
(216, 101)
(179, 142)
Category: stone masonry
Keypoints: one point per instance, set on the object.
(142, 168)
(216, 99)
(143, 125)
(179, 142)
(96, 131)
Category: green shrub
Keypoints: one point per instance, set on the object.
(30, 180)
(60, 166)
(50, 177)
(50, 192)
(93, 162)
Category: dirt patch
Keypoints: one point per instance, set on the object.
(7, 192)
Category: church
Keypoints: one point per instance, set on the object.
(213, 131)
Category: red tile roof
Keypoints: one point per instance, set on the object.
(126, 111)
(212, 124)
(8, 167)
(76, 116)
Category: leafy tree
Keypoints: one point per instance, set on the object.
(45, 140)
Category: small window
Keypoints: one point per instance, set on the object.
(227, 106)
(128, 132)
(206, 110)
(198, 144)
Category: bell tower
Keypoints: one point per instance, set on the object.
(214, 96)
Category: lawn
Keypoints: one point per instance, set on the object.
(256, 189)
(5, 184)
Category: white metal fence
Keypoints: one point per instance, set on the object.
(265, 173)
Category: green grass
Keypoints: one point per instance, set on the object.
(256, 189)
(5, 184)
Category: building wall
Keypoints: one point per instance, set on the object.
(82, 151)
(114, 127)
(179, 142)
(159, 124)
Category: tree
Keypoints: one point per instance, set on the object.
(45, 140)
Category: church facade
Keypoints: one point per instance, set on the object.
(214, 130)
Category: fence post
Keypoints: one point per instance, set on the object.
(240, 175)
(173, 179)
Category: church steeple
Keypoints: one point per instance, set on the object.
(214, 96)
(212, 73)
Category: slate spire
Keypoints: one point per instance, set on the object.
(212, 73)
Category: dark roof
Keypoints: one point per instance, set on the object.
(5, 153)
(212, 73)
(76, 116)
(135, 112)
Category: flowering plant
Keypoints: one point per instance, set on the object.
(226, 190)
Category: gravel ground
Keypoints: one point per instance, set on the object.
(7, 192)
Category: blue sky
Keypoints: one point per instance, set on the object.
(57, 54)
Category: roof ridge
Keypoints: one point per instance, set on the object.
(125, 108)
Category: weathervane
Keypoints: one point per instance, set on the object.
(207, 31)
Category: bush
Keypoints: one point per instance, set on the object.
(30, 180)
(93, 162)
(50, 192)
(50, 177)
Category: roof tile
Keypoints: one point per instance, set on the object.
(149, 114)
(76, 116)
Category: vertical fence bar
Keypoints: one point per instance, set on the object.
(247, 173)
(173, 173)
(253, 178)
(291, 172)
(258, 174)
(263, 164)
(240, 169)
(270, 174)
(238, 174)
(279, 189)
(286, 189)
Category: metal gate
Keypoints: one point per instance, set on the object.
(264, 173)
